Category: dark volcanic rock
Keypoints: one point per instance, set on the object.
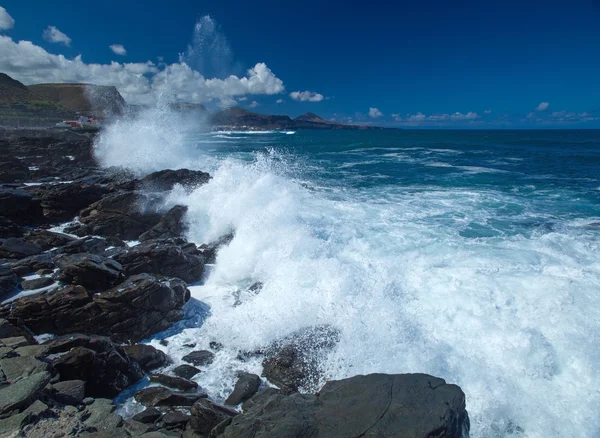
(123, 215)
(172, 258)
(8, 280)
(210, 250)
(47, 239)
(377, 405)
(96, 360)
(94, 272)
(161, 396)
(206, 415)
(20, 207)
(18, 248)
(69, 392)
(294, 361)
(173, 382)
(22, 393)
(9, 229)
(147, 416)
(170, 226)
(33, 264)
(8, 330)
(61, 202)
(199, 358)
(186, 371)
(147, 356)
(164, 180)
(246, 386)
(130, 312)
(91, 245)
(36, 283)
(13, 170)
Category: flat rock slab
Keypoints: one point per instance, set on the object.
(199, 358)
(173, 382)
(17, 367)
(22, 393)
(186, 371)
(37, 283)
(161, 396)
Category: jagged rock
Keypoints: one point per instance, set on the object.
(172, 258)
(69, 392)
(9, 229)
(130, 312)
(13, 169)
(206, 415)
(246, 386)
(22, 393)
(170, 226)
(8, 330)
(161, 396)
(61, 202)
(48, 239)
(147, 416)
(165, 180)
(8, 280)
(175, 420)
(91, 245)
(199, 358)
(186, 371)
(14, 424)
(91, 271)
(147, 356)
(32, 264)
(32, 351)
(377, 405)
(210, 250)
(20, 207)
(123, 215)
(17, 248)
(15, 368)
(44, 272)
(173, 382)
(135, 428)
(15, 342)
(96, 360)
(36, 283)
(293, 362)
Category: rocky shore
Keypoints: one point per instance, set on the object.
(92, 265)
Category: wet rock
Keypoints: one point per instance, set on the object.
(173, 382)
(36, 283)
(22, 393)
(135, 428)
(246, 386)
(377, 405)
(147, 356)
(161, 396)
(8, 280)
(32, 264)
(206, 415)
(130, 312)
(9, 229)
(123, 215)
(20, 207)
(293, 362)
(172, 258)
(186, 371)
(170, 226)
(210, 250)
(8, 330)
(44, 272)
(165, 180)
(96, 360)
(61, 202)
(13, 169)
(147, 416)
(48, 239)
(90, 245)
(17, 248)
(199, 358)
(216, 346)
(94, 272)
(69, 392)
(18, 367)
(175, 420)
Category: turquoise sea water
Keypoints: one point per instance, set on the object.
(470, 255)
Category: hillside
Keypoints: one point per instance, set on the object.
(83, 98)
(20, 106)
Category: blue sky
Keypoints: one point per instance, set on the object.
(455, 64)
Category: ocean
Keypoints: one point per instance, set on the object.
(470, 255)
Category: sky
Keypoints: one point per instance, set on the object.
(438, 64)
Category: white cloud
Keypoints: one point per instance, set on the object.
(374, 113)
(53, 35)
(118, 49)
(280, 101)
(6, 21)
(306, 96)
(543, 106)
(435, 119)
(139, 83)
(254, 104)
(487, 112)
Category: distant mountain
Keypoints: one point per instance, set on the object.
(83, 98)
(20, 106)
(240, 118)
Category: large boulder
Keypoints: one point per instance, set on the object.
(147, 356)
(246, 386)
(48, 239)
(171, 258)
(123, 215)
(8, 280)
(102, 365)
(173, 382)
(13, 169)
(33, 264)
(22, 393)
(20, 207)
(171, 225)
(206, 415)
(17, 248)
(165, 180)
(161, 396)
(9, 229)
(377, 405)
(91, 245)
(129, 312)
(95, 272)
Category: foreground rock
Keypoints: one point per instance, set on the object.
(147, 356)
(246, 386)
(206, 415)
(8, 280)
(130, 312)
(94, 272)
(377, 405)
(161, 396)
(20, 207)
(170, 226)
(165, 180)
